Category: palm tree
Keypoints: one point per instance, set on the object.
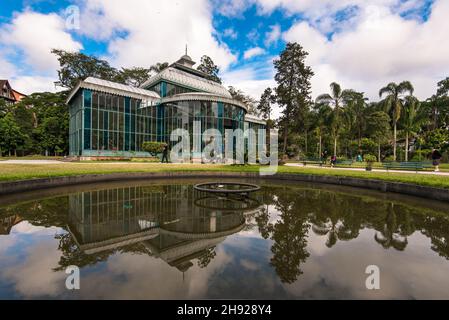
(356, 105)
(394, 102)
(321, 122)
(413, 119)
(336, 99)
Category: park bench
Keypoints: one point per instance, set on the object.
(415, 166)
(318, 161)
(344, 163)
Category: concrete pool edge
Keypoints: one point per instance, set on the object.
(7, 188)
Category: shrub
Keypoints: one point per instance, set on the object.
(369, 158)
(153, 148)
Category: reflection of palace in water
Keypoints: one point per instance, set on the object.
(174, 223)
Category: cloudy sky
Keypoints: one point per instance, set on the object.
(362, 44)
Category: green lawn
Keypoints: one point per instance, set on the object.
(11, 172)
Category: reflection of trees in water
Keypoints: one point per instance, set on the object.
(207, 257)
(341, 217)
(289, 234)
(336, 216)
(71, 255)
(394, 228)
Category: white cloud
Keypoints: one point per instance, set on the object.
(382, 47)
(34, 35)
(146, 32)
(273, 35)
(253, 79)
(230, 33)
(6, 68)
(31, 84)
(231, 8)
(253, 52)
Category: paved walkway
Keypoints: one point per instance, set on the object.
(32, 162)
(374, 170)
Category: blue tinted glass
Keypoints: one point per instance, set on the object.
(87, 98)
(87, 139)
(127, 105)
(87, 118)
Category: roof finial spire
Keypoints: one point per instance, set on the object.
(186, 48)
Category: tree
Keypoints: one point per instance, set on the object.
(322, 117)
(412, 120)
(159, 67)
(77, 66)
(439, 104)
(264, 106)
(293, 86)
(336, 100)
(208, 66)
(356, 106)
(248, 101)
(393, 102)
(4, 108)
(133, 77)
(45, 116)
(12, 136)
(153, 148)
(378, 127)
(438, 139)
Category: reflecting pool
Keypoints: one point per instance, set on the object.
(164, 240)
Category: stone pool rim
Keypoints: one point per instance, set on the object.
(14, 187)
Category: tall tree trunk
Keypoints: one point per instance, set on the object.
(335, 146)
(378, 152)
(435, 118)
(406, 147)
(306, 144)
(321, 152)
(285, 140)
(394, 140)
(360, 137)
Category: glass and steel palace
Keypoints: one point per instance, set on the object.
(108, 119)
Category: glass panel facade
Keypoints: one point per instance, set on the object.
(257, 140)
(110, 125)
(103, 124)
(209, 115)
(166, 89)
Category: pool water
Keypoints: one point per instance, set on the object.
(165, 240)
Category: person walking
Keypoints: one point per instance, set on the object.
(436, 158)
(165, 154)
(333, 160)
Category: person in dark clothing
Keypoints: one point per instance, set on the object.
(165, 154)
(324, 157)
(436, 157)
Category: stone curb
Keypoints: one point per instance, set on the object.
(384, 186)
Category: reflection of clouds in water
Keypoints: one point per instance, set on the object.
(34, 277)
(29, 265)
(249, 265)
(340, 272)
(7, 242)
(25, 227)
(130, 276)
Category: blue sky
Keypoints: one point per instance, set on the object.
(362, 44)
